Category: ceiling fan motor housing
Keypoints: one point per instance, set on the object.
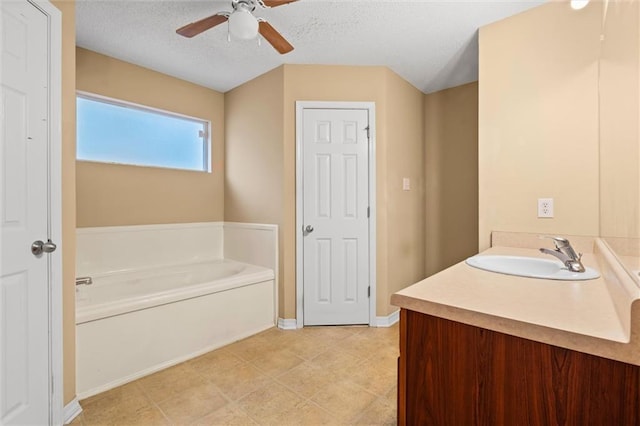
(248, 5)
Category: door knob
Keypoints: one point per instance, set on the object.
(308, 229)
(38, 247)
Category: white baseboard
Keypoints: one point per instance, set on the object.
(71, 411)
(287, 324)
(389, 320)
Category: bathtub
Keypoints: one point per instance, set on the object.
(133, 322)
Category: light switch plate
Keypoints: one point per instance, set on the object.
(406, 184)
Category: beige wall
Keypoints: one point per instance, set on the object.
(254, 153)
(68, 10)
(404, 151)
(451, 173)
(538, 121)
(619, 121)
(111, 194)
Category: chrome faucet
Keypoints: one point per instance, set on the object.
(566, 254)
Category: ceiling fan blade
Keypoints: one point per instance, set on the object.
(275, 3)
(275, 38)
(195, 28)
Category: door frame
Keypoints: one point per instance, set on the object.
(371, 109)
(54, 195)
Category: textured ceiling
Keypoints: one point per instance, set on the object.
(432, 44)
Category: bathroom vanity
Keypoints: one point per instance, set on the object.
(480, 348)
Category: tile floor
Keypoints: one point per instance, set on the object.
(312, 376)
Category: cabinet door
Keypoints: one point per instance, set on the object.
(458, 374)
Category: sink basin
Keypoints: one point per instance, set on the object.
(531, 267)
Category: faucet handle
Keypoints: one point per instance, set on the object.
(558, 241)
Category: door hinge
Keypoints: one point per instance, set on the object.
(367, 129)
(369, 291)
(368, 211)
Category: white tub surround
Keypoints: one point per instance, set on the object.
(599, 316)
(162, 294)
(251, 243)
(124, 248)
(254, 243)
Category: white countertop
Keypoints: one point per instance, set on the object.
(591, 316)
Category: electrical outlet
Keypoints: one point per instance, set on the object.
(545, 207)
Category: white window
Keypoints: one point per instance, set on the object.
(112, 131)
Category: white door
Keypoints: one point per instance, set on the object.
(335, 216)
(24, 277)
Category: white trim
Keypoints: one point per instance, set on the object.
(154, 227)
(54, 21)
(265, 226)
(373, 217)
(134, 105)
(287, 324)
(371, 108)
(389, 320)
(71, 411)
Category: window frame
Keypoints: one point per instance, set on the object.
(206, 146)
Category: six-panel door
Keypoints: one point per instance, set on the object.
(24, 141)
(336, 225)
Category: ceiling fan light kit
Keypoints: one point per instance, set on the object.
(242, 24)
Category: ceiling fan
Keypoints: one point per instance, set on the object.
(242, 23)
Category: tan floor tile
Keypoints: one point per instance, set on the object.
(304, 413)
(240, 380)
(148, 417)
(344, 399)
(194, 403)
(378, 413)
(339, 364)
(214, 363)
(330, 334)
(143, 417)
(78, 421)
(170, 382)
(377, 375)
(276, 362)
(362, 345)
(306, 379)
(265, 405)
(253, 347)
(308, 347)
(391, 333)
(229, 415)
(123, 401)
(391, 398)
(387, 350)
(281, 337)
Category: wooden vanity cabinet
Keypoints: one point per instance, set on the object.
(451, 373)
